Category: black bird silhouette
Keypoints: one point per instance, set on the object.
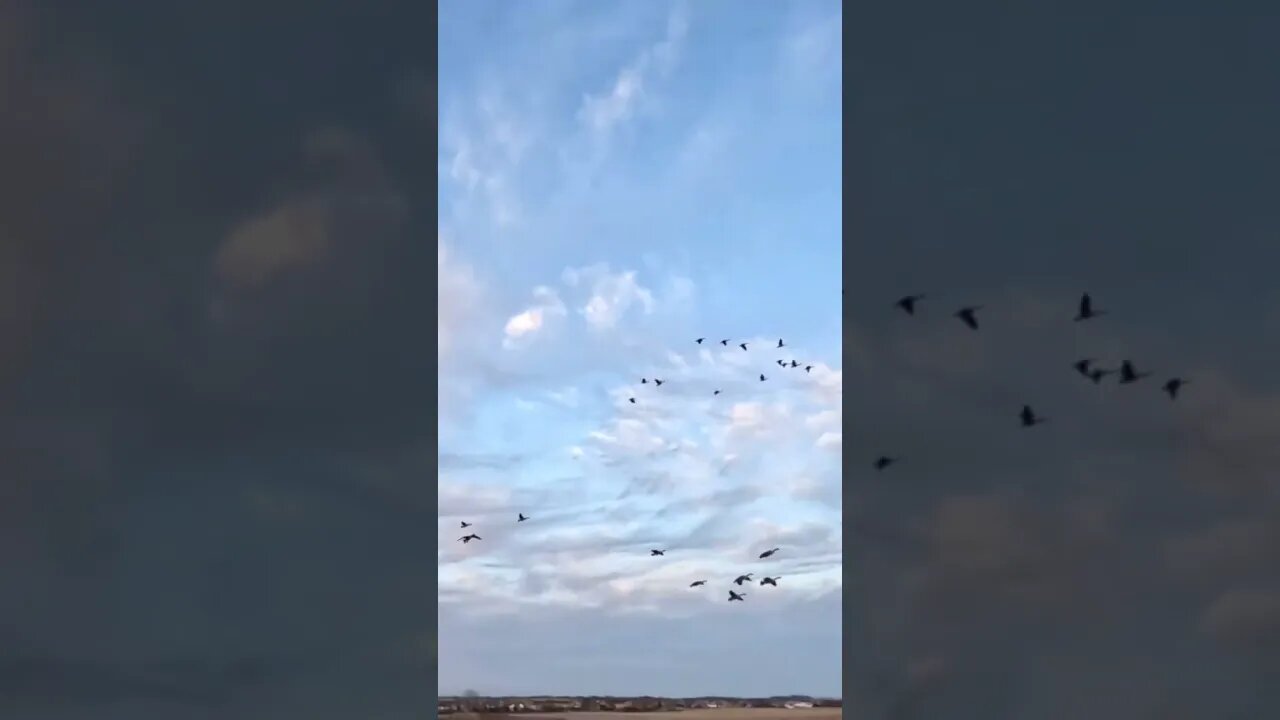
(696, 583)
(716, 392)
(767, 553)
(807, 368)
(968, 317)
(468, 538)
(795, 364)
(1082, 366)
(780, 363)
(644, 381)
(884, 461)
(770, 581)
(742, 578)
(1087, 310)
(699, 340)
(1096, 374)
(1029, 417)
(631, 400)
(742, 345)
(779, 342)
(908, 303)
(724, 343)
(658, 382)
(735, 596)
(522, 518)
(762, 377)
(1174, 385)
(1129, 375)
(465, 524)
(656, 553)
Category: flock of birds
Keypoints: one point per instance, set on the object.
(1027, 416)
(1086, 367)
(740, 580)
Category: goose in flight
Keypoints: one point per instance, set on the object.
(1029, 417)
(768, 553)
(908, 303)
(697, 583)
(465, 524)
(1129, 375)
(884, 461)
(742, 578)
(522, 518)
(735, 596)
(468, 538)
(770, 581)
(656, 553)
(968, 317)
(1173, 386)
(1087, 310)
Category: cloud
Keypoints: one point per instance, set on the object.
(602, 112)
(611, 294)
(528, 322)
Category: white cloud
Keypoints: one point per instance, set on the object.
(612, 295)
(526, 323)
(602, 112)
(830, 441)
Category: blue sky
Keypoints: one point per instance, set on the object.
(616, 180)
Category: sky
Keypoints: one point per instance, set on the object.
(617, 180)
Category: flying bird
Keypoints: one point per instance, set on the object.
(1173, 386)
(795, 364)
(908, 303)
(884, 461)
(468, 538)
(1129, 375)
(1087, 310)
(742, 345)
(780, 363)
(631, 400)
(724, 343)
(767, 553)
(735, 596)
(522, 518)
(644, 381)
(658, 382)
(1083, 366)
(699, 340)
(465, 524)
(696, 583)
(742, 578)
(1029, 417)
(779, 342)
(807, 368)
(656, 553)
(716, 392)
(1096, 374)
(770, 581)
(762, 377)
(968, 317)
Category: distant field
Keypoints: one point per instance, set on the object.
(718, 714)
(698, 714)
